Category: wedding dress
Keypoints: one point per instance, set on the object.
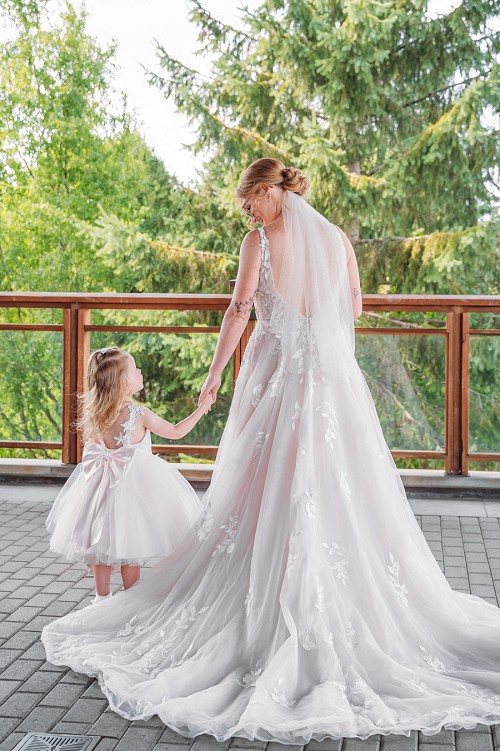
(306, 603)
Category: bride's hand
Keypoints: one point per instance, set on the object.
(211, 385)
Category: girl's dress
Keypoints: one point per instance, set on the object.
(123, 505)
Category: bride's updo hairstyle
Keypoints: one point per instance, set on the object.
(271, 172)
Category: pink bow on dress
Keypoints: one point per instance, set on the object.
(109, 465)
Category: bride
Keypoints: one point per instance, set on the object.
(307, 602)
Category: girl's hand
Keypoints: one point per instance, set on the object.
(206, 403)
(211, 386)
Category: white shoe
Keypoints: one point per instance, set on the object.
(98, 598)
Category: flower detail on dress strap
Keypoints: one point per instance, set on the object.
(125, 437)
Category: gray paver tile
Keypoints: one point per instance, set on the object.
(111, 725)
(54, 668)
(38, 623)
(7, 725)
(75, 728)
(471, 740)
(169, 736)
(63, 695)
(444, 737)
(41, 681)
(93, 691)
(400, 742)
(21, 640)
(143, 738)
(72, 677)
(20, 704)
(42, 600)
(11, 741)
(356, 744)
(23, 614)
(106, 744)
(7, 656)
(58, 608)
(246, 743)
(41, 719)
(7, 688)
(8, 629)
(86, 710)
(35, 652)
(21, 669)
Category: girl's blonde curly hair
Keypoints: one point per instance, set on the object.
(101, 401)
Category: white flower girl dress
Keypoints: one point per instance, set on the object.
(122, 505)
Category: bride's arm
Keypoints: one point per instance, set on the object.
(353, 272)
(237, 315)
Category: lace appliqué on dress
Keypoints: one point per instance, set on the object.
(125, 437)
(400, 589)
(227, 544)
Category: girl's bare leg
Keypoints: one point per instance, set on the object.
(102, 578)
(130, 574)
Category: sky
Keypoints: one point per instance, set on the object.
(134, 25)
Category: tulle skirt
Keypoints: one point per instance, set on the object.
(147, 514)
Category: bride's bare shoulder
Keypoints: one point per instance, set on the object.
(251, 242)
(347, 243)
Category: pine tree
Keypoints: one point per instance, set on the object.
(389, 111)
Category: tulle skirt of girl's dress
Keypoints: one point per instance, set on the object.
(122, 512)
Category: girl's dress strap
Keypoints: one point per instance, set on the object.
(125, 437)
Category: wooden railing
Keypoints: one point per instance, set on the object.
(77, 327)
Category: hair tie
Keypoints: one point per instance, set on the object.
(102, 352)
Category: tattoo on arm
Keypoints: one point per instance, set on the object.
(356, 292)
(243, 307)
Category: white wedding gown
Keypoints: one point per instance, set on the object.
(307, 603)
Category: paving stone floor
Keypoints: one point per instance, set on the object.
(36, 587)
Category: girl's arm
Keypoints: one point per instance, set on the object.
(166, 429)
(353, 272)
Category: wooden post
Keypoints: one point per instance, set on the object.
(464, 401)
(454, 392)
(70, 339)
(82, 355)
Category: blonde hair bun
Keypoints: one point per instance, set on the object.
(267, 171)
(295, 181)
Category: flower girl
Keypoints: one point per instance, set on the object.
(122, 504)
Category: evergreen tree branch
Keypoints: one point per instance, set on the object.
(214, 26)
(159, 245)
(447, 88)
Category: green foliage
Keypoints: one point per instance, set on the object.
(388, 112)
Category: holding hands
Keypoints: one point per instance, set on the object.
(210, 387)
(206, 402)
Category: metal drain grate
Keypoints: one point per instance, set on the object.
(51, 742)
